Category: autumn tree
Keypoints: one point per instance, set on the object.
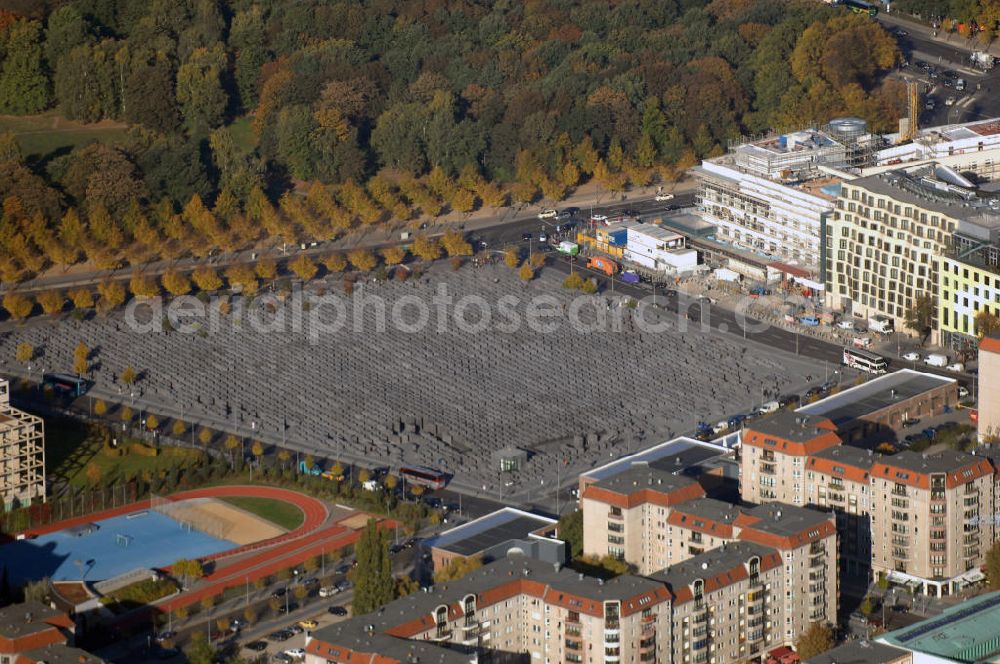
(266, 268)
(143, 286)
(526, 272)
(511, 256)
(81, 298)
(362, 259)
(52, 302)
(456, 244)
(24, 352)
(335, 263)
(112, 295)
(243, 277)
(987, 324)
(206, 278)
(426, 248)
(457, 568)
(81, 357)
(303, 267)
(18, 306)
(816, 640)
(176, 282)
(128, 376)
(393, 255)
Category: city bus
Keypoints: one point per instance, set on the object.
(866, 361)
(424, 476)
(65, 385)
(861, 7)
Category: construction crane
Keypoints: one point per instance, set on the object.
(909, 132)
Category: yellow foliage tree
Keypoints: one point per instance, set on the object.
(393, 255)
(18, 306)
(303, 267)
(362, 259)
(52, 302)
(426, 248)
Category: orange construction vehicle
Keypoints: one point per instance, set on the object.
(604, 264)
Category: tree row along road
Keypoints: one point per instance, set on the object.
(495, 226)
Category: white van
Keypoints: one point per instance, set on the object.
(770, 407)
(936, 360)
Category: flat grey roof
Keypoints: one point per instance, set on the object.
(790, 425)
(680, 452)
(875, 395)
(489, 531)
(643, 475)
(939, 461)
(859, 652)
(712, 562)
(909, 187)
(785, 520)
(849, 455)
(709, 508)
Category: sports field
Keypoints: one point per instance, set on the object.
(107, 548)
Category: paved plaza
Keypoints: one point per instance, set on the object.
(434, 395)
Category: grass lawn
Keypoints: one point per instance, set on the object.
(41, 135)
(278, 512)
(242, 133)
(70, 449)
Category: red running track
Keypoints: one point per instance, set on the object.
(275, 554)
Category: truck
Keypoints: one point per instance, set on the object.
(936, 360)
(569, 248)
(630, 277)
(603, 264)
(880, 324)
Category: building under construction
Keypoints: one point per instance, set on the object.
(22, 454)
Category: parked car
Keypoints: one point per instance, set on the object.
(330, 591)
(282, 658)
(542, 237)
(343, 585)
(962, 392)
(548, 214)
(308, 623)
(526, 236)
(280, 592)
(287, 609)
(912, 356)
(343, 569)
(860, 617)
(769, 407)
(256, 646)
(165, 636)
(664, 196)
(393, 549)
(280, 635)
(337, 611)
(600, 218)
(296, 653)
(957, 367)
(911, 422)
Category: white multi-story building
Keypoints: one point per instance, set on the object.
(658, 249)
(22, 454)
(772, 197)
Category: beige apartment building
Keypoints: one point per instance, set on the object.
(774, 452)
(726, 605)
(22, 454)
(988, 392)
(886, 233)
(806, 539)
(625, 515)
(838, 478)
(932, 518)
(511, 610)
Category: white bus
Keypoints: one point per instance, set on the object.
(866, 361)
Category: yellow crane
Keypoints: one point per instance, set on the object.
(909, 132)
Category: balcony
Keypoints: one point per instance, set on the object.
(573, 645)
(769, 469)
(616, 517)
(817, 562)
(754, 597)
(817, 549)
(442, 633)
(899, 491)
